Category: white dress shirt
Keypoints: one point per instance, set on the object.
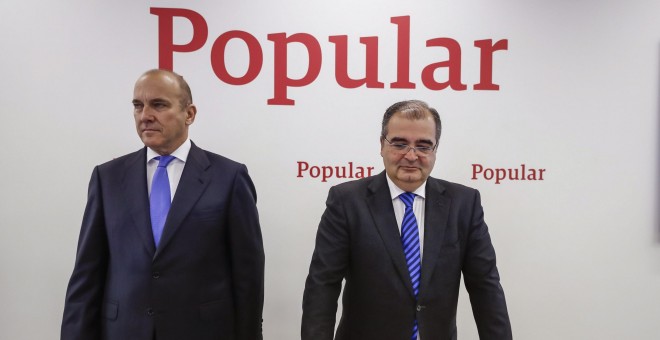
(174, 169)
(418, 208)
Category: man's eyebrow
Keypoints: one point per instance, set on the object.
(405, 141)
(398, 139)
(424, 141)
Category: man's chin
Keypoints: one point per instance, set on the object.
(409, 172)
(409, 178)
(150, 142)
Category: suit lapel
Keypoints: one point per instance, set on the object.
(379, 201)
(435, 222)
(134, 187)
(194, 179)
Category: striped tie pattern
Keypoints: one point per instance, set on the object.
(411, 249)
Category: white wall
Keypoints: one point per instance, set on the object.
(579, 252)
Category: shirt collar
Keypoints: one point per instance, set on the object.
(395, 191)
(181, 153)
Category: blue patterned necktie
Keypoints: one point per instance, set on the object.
(411, 249)
(160, 198)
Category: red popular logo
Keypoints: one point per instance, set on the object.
(281, 41)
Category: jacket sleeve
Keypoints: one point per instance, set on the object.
(482, 279)
(82, 306)
(326, 272)
(247, 258)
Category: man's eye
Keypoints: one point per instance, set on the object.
(400, 146)
(137, 106)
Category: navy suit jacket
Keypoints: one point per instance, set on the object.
(204, 281)
(358, 241)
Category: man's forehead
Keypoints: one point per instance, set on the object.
(409, 137)
(406, 123)
(159, 75)
(162, 81)
(152, 89)
(411, 141)
(138, 98)
(411, 130)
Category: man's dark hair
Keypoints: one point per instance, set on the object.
(411, 109)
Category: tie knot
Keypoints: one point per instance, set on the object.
(407, 198)
(163, 161)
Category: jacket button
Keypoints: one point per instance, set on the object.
(419, 308)
(150, 312)
(155, 275)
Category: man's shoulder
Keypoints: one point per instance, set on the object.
(217, 158)
(360, 189)
(196, 154)
(451, 186)
(125, 159)
(202, 155)
(361, 184)
(452, 190)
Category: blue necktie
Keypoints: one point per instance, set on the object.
(160, 198)
(411, 249)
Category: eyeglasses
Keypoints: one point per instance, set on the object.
(403, 149)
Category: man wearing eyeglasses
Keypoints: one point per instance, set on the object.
(401, 240)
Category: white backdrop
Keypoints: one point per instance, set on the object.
(579, 252)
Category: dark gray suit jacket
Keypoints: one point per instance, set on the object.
(204, 281)
(358, 240)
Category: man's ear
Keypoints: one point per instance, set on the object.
(191, 112)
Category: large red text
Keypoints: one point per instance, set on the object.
(283, 81)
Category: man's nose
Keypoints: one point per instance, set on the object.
(411, 155)
(146, 115)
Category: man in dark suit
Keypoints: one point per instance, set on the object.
(195, 272)
(398, 288)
